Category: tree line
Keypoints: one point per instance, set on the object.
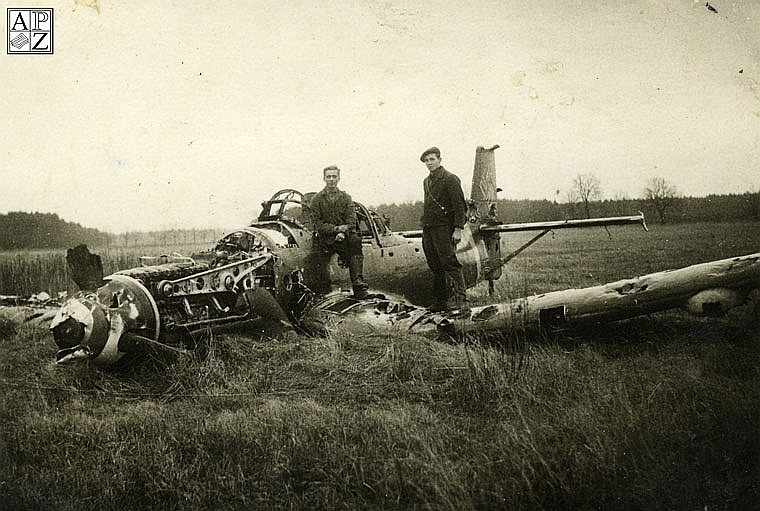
(24, 231)
(21, 231)
(712, 208)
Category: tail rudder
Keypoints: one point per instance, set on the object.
(484, 178)
(483, 208)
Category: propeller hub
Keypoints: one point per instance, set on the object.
(68, 333)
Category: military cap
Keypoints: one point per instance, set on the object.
(432, 150)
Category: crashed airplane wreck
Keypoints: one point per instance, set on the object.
(263, 272)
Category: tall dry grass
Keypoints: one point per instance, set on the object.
(24, 273)
(663, 419)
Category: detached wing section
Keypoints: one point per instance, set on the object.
(707, 289)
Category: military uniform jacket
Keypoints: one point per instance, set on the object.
(444, 200)
(329, 209)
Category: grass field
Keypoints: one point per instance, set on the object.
(23, 273)
(658, 412)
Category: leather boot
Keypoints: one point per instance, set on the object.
(440, 292)
(458, 297)
(356, 270)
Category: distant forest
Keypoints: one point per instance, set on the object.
(44, 230)
(24, 231)
(21, 231)
(713, 208)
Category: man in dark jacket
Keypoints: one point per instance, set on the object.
(335, 227)
(443, 218)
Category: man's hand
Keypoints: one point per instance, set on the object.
(341, 228)
(456, 236)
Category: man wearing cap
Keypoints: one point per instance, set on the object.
(335, 227)
(443, 218)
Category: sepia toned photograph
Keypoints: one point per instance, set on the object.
(380, 255)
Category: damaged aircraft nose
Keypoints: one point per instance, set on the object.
(91, 326)
(79, 328)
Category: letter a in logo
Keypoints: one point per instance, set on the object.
(20, 22)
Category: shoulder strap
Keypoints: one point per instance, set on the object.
(426, 184)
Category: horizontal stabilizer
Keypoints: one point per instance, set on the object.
(566, 224)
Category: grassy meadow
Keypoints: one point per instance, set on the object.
(657, 412)
(23, 273)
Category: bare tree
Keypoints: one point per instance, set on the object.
(753, 203)
(662, 195)
(586, 188)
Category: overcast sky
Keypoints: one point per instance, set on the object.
(188, 114)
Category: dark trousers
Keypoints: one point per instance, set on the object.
(350, 253)
(440, 252)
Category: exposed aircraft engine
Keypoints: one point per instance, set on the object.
(157, 305)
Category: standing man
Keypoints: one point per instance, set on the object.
(334, 218)
(443, 218)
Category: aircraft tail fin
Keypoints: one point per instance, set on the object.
(484, 177)
(483, 202)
